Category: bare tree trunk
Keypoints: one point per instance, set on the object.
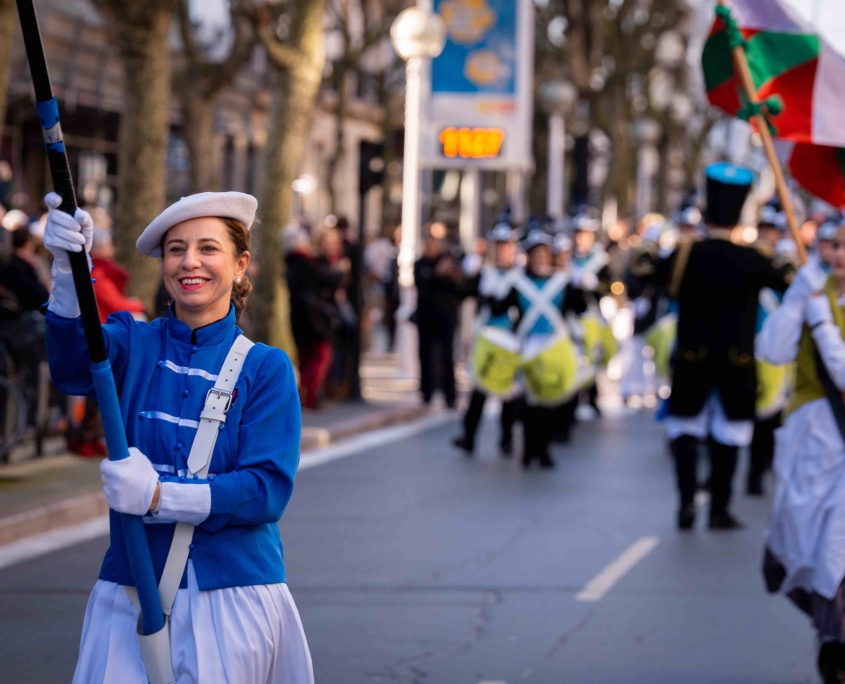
(622, 167)
(198, 113)
(142, 30)
(297, 84)
(7, 26)
(333, 165)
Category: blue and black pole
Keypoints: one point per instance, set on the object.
(137, 548)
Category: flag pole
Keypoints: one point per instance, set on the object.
(134, 532)
(743, 73)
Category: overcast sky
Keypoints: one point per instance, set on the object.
(826, 16)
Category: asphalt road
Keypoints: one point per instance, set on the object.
(411, 563)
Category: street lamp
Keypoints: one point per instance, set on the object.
(417, 35)
(557, 98)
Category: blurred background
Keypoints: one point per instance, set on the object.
(373, 132)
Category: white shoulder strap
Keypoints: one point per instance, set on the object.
(217, 403)
(542, 303)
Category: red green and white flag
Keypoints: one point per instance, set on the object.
(786, 60)
(820, 170)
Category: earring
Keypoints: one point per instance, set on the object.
(238, 281)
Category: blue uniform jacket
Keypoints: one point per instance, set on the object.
(163, 371)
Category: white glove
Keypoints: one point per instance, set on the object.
(181, 502)
(64, 233)
(817, 311)
(810, 279)
(129, 484)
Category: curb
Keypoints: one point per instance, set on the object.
(64, 513)
(80, 509)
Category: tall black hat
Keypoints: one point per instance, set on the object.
(728, 186)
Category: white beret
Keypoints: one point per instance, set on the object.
(234, 205)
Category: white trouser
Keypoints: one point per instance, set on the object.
(711, 421)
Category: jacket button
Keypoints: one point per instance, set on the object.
(178, 445)
(194, 348)
(185, 393)
(160, 364)
(142, 415)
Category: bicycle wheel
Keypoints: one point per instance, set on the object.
(13, 416)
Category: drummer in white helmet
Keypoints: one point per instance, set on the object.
(494, 277)
(825, 242)
(540, 298)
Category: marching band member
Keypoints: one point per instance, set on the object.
(773, 381)
(645, 299)
(591, 272)
(550, 360)
(688, 221)
(223, 474)
(562, 247)
(716, 285)
(589, 255)
(825, 238)
(805, 559)
(494, 343)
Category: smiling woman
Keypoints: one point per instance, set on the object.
(213, 423)
(205, 262)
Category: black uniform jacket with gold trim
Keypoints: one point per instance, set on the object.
(717, 297)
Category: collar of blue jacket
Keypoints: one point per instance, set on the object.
(213, 333)
(163, 371)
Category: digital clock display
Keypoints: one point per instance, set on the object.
(471, 143)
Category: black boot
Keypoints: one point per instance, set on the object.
(507, 419)
(686, 517)
(464, 443)
(685, 452)
(761, 451)
(831, 662)
(723, 460)
(754, 484)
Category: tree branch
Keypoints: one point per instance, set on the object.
(186, 31)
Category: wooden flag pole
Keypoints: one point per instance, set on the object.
(743, 72)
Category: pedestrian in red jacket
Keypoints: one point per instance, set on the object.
(110, 283)
(110, 279)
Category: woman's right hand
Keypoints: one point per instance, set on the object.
(809, 280)
(64, 233)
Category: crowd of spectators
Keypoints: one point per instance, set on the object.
(331, 281)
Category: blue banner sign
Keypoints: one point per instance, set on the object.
(480, 52)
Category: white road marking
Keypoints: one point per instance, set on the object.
(602, 583)
(42, 544)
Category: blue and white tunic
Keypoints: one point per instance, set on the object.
(233, 619)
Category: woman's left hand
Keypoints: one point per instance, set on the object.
(129, 484)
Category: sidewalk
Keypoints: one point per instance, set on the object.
(60, 489)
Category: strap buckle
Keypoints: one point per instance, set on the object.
(221, 393)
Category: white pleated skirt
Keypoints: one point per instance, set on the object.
(238, 635)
